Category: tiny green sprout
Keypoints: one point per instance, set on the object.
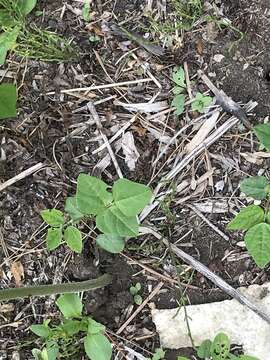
(218, 349)
(8, 99)
(64, 340)
(86, 11)
(255, 220)
(115, 213)
(94, 38)
(201, 102)
(180, 86)
(134, 291)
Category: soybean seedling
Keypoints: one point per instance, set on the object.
(134, 291)
(63, 340)
(255, 220)
(201, 102)
(179, 90)
(218, 349)
(115, 213)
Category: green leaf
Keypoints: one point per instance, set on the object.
(48, 353)
(257, 241)
(246, 218)
(73, 238)
(262, 132)
(138, 286)
(111, 243)
(86, 11)
(179, 104)
(53, 238)
(7, 42)
(95, 327)
(92, 195)
(159, 354)
(72, 210)
(182, 358)
(256, 187)
(8, 99)
(6, 20)
(200, 103)
(204, 350)
(70, 305)
(177, 90)
(37, 354)
(179, 77)
(130, 197)
(26, 6)
(52, 350)
(113, 222)
(41, 330)
(53, 217)
(97, 347)
(247, 357)
(133, 290)
(71, 327)
(138, 299)
(220, 347)
(267, 218)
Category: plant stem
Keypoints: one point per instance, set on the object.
(42, 290)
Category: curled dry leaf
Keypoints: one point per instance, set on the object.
(6, 308)
(207, 126)
(17, 271)
(129, 150)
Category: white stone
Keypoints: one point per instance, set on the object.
(218, 58)
(242, 325)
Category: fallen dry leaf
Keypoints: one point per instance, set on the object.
(17, 271)
(5, 308)
(129, 150)
(201, 135)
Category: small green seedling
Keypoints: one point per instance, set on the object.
(218, 349)
(63, 340)
(255, 220)
(86, 11)
(262, 132)
(115, 213)
(201, 102)
(180, 86)
(94, 39)
(134, 291)
(158, 355)
(8, 100)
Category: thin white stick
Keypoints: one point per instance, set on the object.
(21, 176)
(117, 134)
(105, 139)
(208, 222)
(205, 144)
(215, 279)
(99, 87)
(138, 310)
